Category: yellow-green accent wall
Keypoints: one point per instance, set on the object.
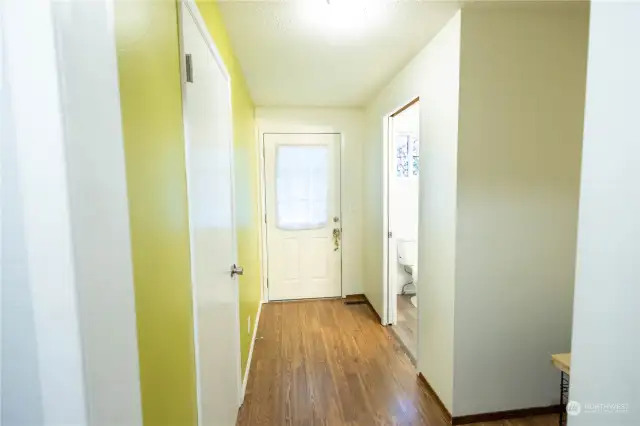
(150, 95)
(149, 72)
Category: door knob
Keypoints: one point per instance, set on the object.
(236, 270)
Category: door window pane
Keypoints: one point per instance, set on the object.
(301, 187)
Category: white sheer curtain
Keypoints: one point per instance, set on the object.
(301, 187)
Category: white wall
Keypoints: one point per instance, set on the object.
(522, 85)
(89, 91)
(69, 342)
(21, 396)
(349, 123)
(42, 359)
(432, 75)
(606, 349)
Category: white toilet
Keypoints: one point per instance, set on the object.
(408, 258)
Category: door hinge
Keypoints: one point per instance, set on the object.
(265, 218)
(189, 67)
(267, 282)
(390, 234)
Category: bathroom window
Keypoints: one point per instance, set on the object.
(407, 155)
(415, 155)
(301, 187)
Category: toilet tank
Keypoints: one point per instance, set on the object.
(408, 252)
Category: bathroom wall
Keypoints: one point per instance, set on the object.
(403, 192)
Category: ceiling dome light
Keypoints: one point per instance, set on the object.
(341, 17)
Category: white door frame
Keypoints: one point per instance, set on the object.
(264, 249)
(193, 10)
(389, 306)
(389, 295)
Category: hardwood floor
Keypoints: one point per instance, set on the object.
(407, 327)
(326, 363)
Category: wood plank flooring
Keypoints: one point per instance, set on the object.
(326, 363)
(407, 327)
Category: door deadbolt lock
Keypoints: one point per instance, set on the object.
(337, 234)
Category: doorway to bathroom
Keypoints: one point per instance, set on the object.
(402, 200)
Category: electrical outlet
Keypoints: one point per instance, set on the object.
(249, 324)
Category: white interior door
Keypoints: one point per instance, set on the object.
(302, 176)
(207, 110)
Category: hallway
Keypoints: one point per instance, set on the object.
(190, 188)
(326, 363)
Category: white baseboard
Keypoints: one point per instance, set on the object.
(253, 342)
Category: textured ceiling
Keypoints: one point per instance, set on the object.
(308, 53)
